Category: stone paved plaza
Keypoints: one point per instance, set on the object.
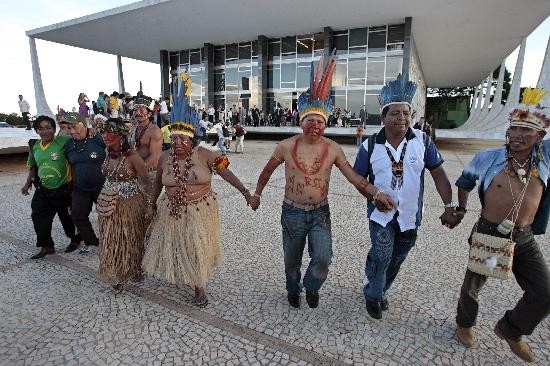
(55, 311)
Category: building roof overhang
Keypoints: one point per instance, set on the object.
(458, 42)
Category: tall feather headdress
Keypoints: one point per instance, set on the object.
(317, 98)
(184, 118)
(398, 91)
(530, 113)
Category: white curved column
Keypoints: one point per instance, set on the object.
(501, 120)
(544, 77)
(497, 106)
(477, 123)
(473, 108)
(42, 107)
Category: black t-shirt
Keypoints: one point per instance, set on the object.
(86, 159)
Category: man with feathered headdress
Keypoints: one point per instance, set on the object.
(515, 202)
(308, 159)
(394, 159)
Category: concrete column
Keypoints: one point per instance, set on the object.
(164, 74)
(42, 107)
(481, 120)
(329, 44)
(120, 74)
(407, 48)
(209, 73)
(544, 77)
(473, 109)
(262, 73)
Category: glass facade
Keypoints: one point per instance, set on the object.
(367, 58)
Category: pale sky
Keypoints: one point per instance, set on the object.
(67, 71)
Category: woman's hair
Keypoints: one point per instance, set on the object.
(41, 118)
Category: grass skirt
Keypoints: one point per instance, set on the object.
(122, 238)
(184, 250)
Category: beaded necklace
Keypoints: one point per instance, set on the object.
(140, 132)
(177, 201)
(80, 147)
(397, 168)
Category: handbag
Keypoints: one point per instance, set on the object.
(490, 255)
(106, 202)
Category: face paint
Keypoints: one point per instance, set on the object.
(313, 126)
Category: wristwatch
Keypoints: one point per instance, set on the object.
(451, 204)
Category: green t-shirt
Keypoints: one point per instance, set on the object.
(51, 162)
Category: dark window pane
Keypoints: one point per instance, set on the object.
(395, 46)
(254, 48)
(305, 46)
(244, 80)
(231, 51)
(195, 58)
(303, 77)
(375, 73)
(288, 72)
(373, 108)
(219, 56)
(276, 78)
(396, 33)
(245, 53)
(358, 37)
(355, 102)
(174, 61)
(288, 44)
(341, 44)
(184, 57)
(274, 49)
(219, 81)
(377, 41)
(231, 79)
(393, 66)
(318, 41)
(356, 68)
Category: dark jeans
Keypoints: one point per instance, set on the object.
(531, 273)
(26, 119)
(45, 204)
(82, 203)
(390, 247)
(299, 224)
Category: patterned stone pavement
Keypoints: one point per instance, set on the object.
(56, 312)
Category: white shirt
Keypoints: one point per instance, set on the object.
(211, 111)
(219, 129)
(24, 106)
(163, 107)
(204, 124)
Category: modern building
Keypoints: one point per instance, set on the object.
(260, 52)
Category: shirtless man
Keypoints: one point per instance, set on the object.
(146, 137)
(308, 159)
(513, 186)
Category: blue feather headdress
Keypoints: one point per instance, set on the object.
(184, 118)
(317, 99)
(399, 91)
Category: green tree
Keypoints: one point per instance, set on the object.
(12, 118)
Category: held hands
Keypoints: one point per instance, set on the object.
(383, 202)
(254, 201)
(451, 217)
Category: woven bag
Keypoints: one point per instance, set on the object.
(491, 256)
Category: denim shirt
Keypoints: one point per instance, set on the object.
(486, 165)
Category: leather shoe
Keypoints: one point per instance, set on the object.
(312, 298)
(374, 309)
(384, 304)
(520, 348)
(466, 336)
(294, 300)
(72, 247)
(43, 252)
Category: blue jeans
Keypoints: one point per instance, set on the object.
(389, 249)
(221, 145)
(315, 225)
